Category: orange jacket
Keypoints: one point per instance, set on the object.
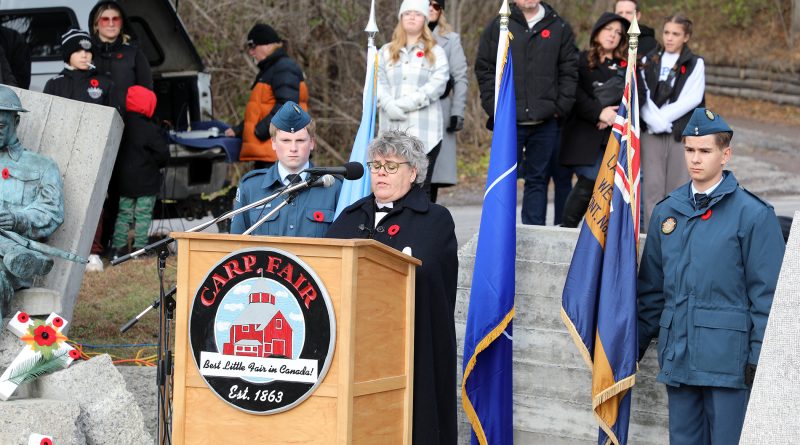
(279, 80)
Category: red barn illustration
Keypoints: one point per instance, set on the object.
(261, 330)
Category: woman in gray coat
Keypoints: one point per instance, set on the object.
(452, 101)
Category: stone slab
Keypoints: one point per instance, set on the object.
(83, 140)
(109, 413)
(775, 399)
(56, 418)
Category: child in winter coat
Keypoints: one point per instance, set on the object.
(137, 176)
(79, 80)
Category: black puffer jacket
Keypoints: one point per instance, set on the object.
(545, 65)
(142, 153)
(85, 86)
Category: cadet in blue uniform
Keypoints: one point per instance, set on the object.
(706, 282)
(293, 136)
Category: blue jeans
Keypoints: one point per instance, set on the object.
(537, 155)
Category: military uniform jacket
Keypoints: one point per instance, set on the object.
(706, 282)
(429, 231)
(309, 215)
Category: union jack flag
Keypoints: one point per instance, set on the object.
(598, 305)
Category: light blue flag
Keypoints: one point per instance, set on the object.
(486, 389)
(354, 190)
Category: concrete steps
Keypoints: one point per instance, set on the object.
(552, 384)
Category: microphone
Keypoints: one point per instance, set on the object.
(311, 182)
(351, 170)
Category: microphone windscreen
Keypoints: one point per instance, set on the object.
(353, 170)
(328, 180)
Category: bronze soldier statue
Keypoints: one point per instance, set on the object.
(31, 205)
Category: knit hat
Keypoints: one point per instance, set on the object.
(420, 6)
(141, 100)
(74, 40)
(261, 34)
(291, 118)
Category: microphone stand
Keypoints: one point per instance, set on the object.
(264, 219)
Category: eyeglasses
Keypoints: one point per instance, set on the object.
(435, 6)
(109, 20)
(390, 166)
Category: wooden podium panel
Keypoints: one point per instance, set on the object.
(366, 395)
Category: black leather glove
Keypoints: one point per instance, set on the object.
(749, 374)
(456, 124)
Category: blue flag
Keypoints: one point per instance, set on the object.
(352, 191)
(486, 389)
(599, 299)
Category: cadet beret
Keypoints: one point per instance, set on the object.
(704, 122)
(291, 118)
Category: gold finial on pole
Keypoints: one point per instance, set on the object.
(633, 36)
(505, 13)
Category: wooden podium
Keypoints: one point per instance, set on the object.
(366, 395)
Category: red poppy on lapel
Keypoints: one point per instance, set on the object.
(683, 69)
(5, 173)
(546, 34)
(706, 215)
(319, 216)
(393, 229)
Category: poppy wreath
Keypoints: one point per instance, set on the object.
(319, 216)
(393, 229)
(43, 338)
(546, 34)
(5, 173)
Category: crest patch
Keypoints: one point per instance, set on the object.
(668, 225)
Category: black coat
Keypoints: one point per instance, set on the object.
(124, 64)
(429, 230)
(18, 55)
(545, 65)
(142, 153)
(582, 142)
(85, 86)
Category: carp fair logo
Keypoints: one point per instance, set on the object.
(262, 330)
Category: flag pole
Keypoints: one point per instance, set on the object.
(633, 48)
(372, 25)
(500, 63)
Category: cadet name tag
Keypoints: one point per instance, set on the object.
(262, 330)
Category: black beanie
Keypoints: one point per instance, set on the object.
(441, 3)
(262, 34)
(74, 40)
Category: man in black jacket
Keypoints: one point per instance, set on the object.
(545, 77)
(18, 54)
(648, 45)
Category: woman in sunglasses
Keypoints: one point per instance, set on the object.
(400, 215)
(115, 53)
(412, 76)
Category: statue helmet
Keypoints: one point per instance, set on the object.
(9, 101)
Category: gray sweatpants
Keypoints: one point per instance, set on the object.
(664, 170)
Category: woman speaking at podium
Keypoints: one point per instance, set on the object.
(399, 214)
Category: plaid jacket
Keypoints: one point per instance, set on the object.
(414, 85)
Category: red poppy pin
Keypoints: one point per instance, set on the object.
(623, 64)
(5, 173)
(393, 229)
(46, 441)
(319, 216)
(58, 322)
(119, 55)
(74, 354)
(420, 54)
(706, 215)
(546, 34)
(22, 317)
(683, 69)
(94, 83)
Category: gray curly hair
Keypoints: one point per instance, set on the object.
(404, 145)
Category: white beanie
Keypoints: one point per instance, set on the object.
(420, 6)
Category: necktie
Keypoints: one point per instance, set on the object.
(290, 178)
(701, 201)
(384, 209)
